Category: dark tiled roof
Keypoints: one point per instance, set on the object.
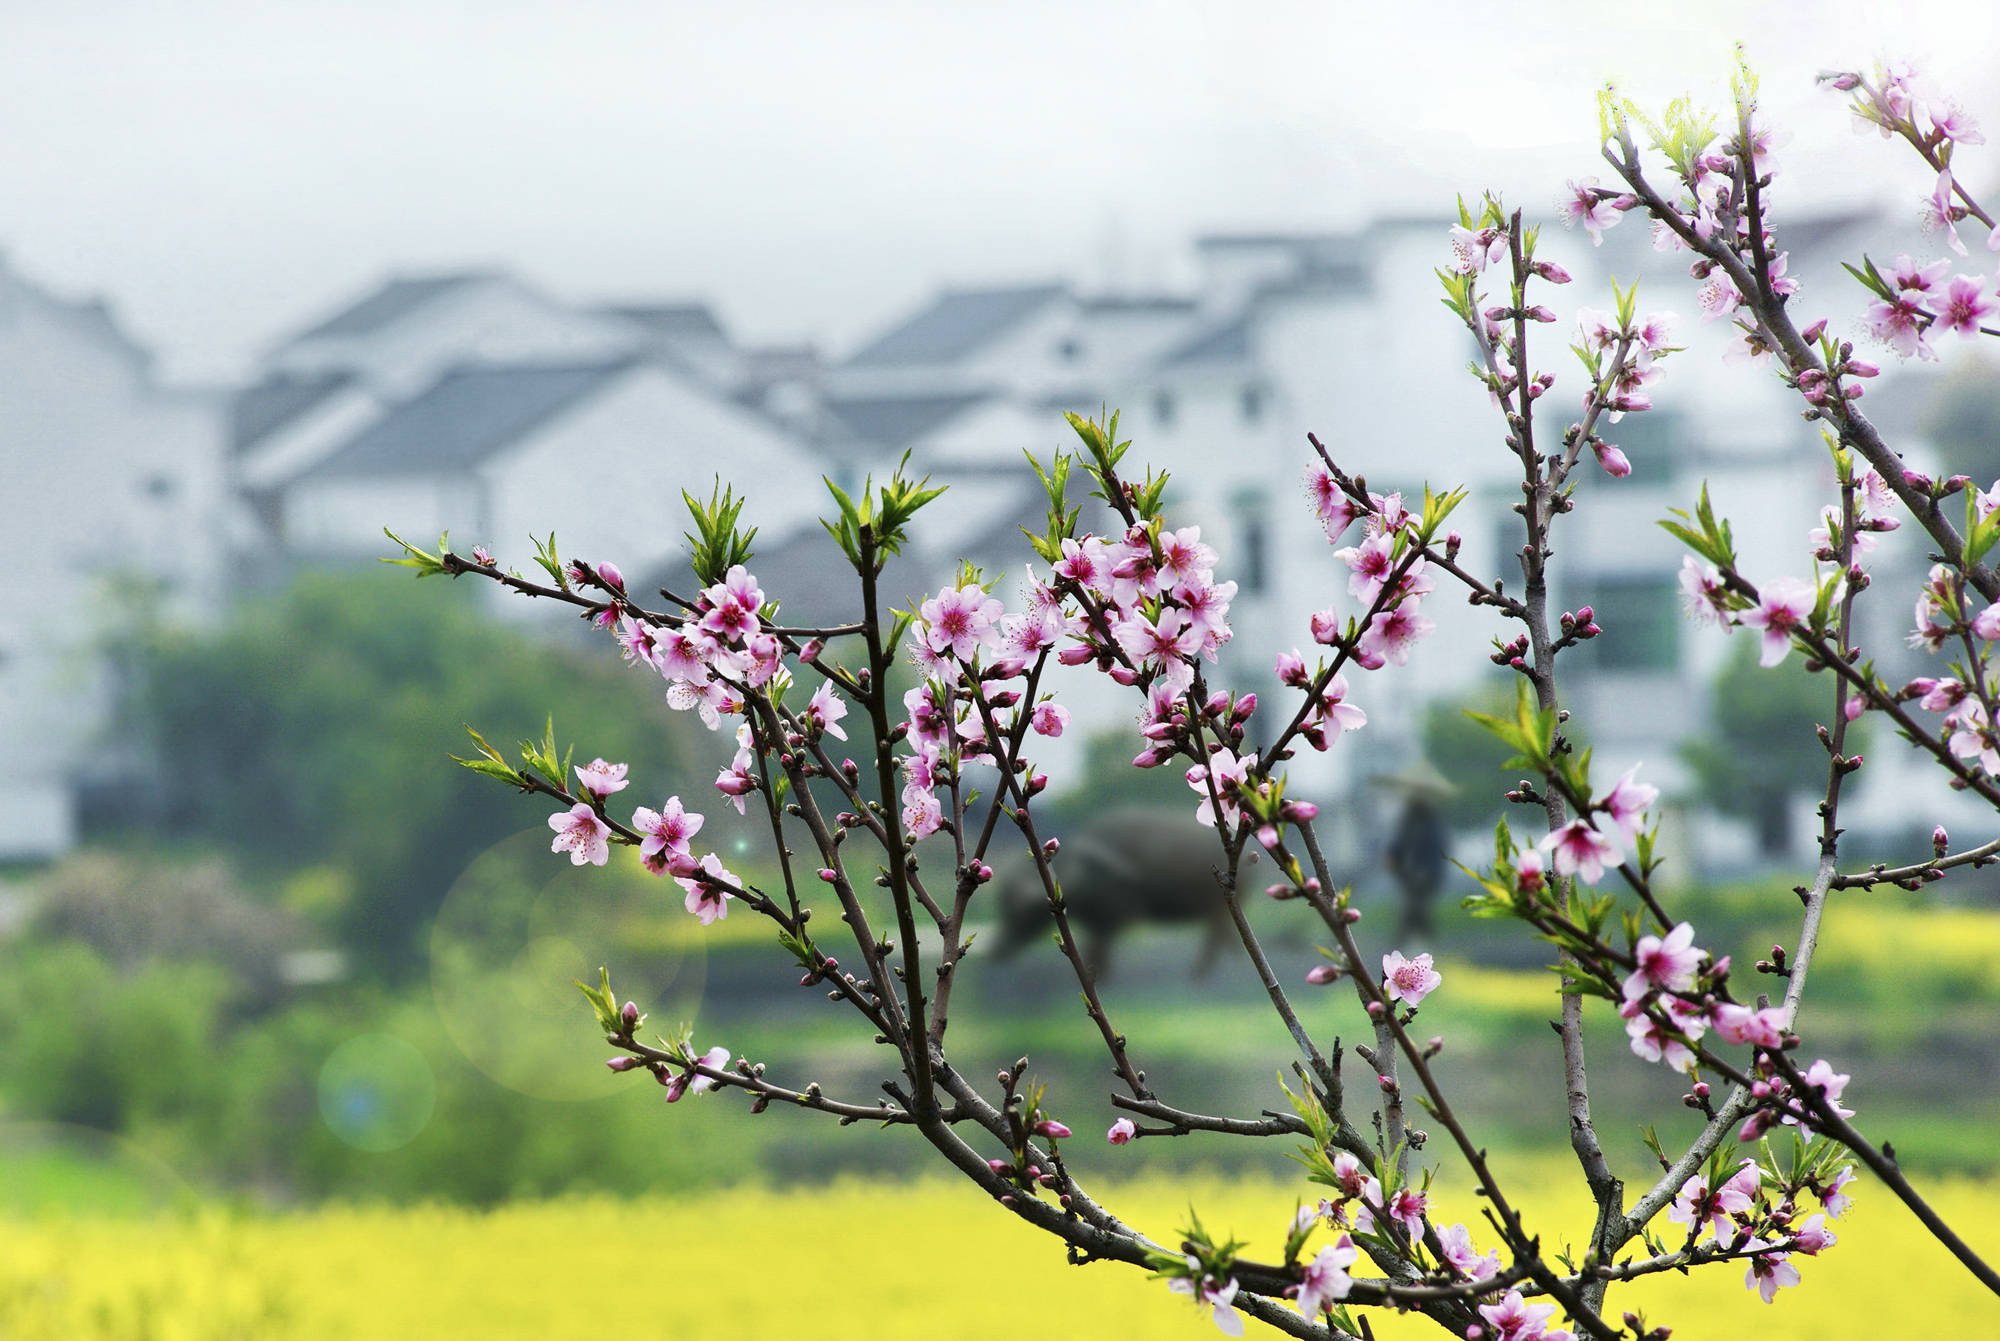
(1227, 343)
(260, 410)
(894, 422)
(387, 305)
(1113, 304)
(956, 324)
(465, 417)
(673, 320)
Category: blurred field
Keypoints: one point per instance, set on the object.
(848, 1260)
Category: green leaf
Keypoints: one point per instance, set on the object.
(426, 564)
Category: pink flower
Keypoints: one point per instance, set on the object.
(737, 781)
(1965, 305)
(1769, 1271)
(1291, 669)
(1087, 563)
(1616, 464)
(1212, 1298)
(1391, 635)
(961, 621)
(1626, 804)
(1407, 1208)
(1514, 1319)
(1579, 850)
(1939, 212)
(1787, 604)
(1050, 719)
(601, 779)
(1458, 1251)
(1652, 1042)
(1122, 1131)
(1821, 1076)
(707, 899)
(1531, 874)
(1954, 123)
(582, 834)
(1813, 1237)
(922, 815)
(1408, 980)
(1835, 1197)
(1332, 708)
(1356, 1183)
(693, 1082)
(1184, 560)
(1225, 772)
(1909, 277)
(667, 831)
(1707, 1213)
(1667, 964)
(1335, 509)
(733, 604)
(1717, 298)
(1763, 1028)
(1370, 564)
(824, 709)
(1161, 645)
(1325, 1280)
(1472, 250)
(1900, 324)
(1583, 205)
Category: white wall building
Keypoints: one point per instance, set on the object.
(108, 480)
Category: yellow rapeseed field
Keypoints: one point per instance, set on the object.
(850, 1260)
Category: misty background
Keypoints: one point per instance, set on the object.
(260, 940)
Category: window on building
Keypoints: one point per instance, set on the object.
(1253, 530)
(1164, 408)
(1654, 441)
(1252, 404)
(1641, 618)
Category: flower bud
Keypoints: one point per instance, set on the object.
(624, 1063)
(1051, 1128)
(998, 1165)
(1940, 841)
(828, 874)
(1319, 975)
(608, 574)
(1812, 333)
(630, 1015)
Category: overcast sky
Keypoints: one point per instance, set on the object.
(225, 170)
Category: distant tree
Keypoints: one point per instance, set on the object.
(1467, 754)
(310, 729)
(1963, 419)
(1759, 752)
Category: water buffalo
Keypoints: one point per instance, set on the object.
(1121, 867)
